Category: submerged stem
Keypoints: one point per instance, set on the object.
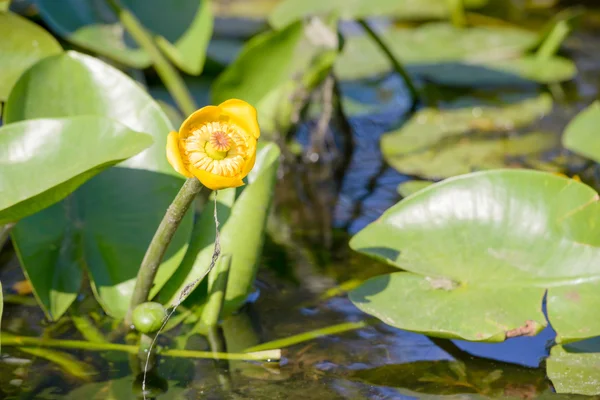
(414, 94)
(166, 71)
(158, 246)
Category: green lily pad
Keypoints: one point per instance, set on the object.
(106, 225)
(432, 43)
(573, 368)
(465, 155)
(182, 29)
(581, 135)
(243, 219)
(22, 44)
(289, 11)
(54, 158)
(272, 66)
(430, 125)
(480, 251)
(405, 189)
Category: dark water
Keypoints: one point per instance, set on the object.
(318, 205)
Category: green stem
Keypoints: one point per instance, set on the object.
(217, 283)
(166, 71)
(306, 336)
(457, 13)
(19, 341)
(414, 94)
(156, 251)
(553, 41)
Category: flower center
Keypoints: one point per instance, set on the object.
(218, 145)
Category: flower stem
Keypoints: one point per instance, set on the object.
(19, 341)
(414, 94)
(166, 71)
(162, 237)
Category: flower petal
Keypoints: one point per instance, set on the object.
(249, 165)
(216, 182)
(243, 114)
(174, 154)
(199, 118)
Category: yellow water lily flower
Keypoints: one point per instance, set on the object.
(216, 144)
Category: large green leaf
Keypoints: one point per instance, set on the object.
(289, 11)
(573, 368)
(582, 134)
(430, 125)
(464, 155)
(480, 251)
(243, 226)
(183, 29)
(107, 224)
(43, 160)
(445, 54)
(22, 44)
(273, 65)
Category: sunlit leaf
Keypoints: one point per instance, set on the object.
(573, 368)
(242, 234)
(22, 44)
(464, 155)
(183, 29)
(582, 134)
(489, 244)
(289, 11)
(53, 158)
(406, 189)
(107, 224)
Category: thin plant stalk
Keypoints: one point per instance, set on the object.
(398, 67)
(457, 13)
(554, 40)
(165, 70)
(19, 341)
(158, 246)
(306, 336)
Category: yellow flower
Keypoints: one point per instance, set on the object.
(216, 144)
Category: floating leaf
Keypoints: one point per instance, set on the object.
(433, 43)
(289, 11)
(22, 44)
(66, 361)
(573, 368)
(272, 65)
(582, 134)
(183, 29)
(106, 225)
(406, 189)
(489, 244)
(467, 155)
(242, 234)
(54, 159)
(430, 125)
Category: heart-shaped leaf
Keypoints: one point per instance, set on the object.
(289, 11)
(22, 44)
(44, 160)
(581, 135)
(243, 220)
(480, 251)
(183, 29)
(573, 368)
(106, 225)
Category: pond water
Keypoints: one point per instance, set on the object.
(318, 205)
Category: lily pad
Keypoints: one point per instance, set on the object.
(582, 134)
(480, 251)
(432, 43)
(430, 125)
(182, 29)
(22, 44)
(289, 11)
(465, 155)
(106, 225)
(573, 368)
(54, 158)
